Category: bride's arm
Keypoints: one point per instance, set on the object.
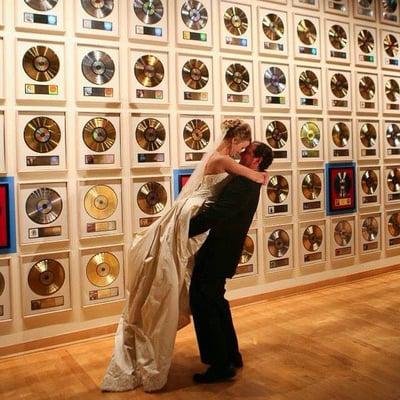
(234, 168)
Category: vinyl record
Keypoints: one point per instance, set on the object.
(41, 5)
(394, 224)
(248, 250)
(46, 277)
(195, 74)
(235, 21)
(99, 134)
(44, 205)
(42, 134)
(149, 11)
(150, 134)
(342, 184)
(312, 238)
(278, 243)
(365, 41)
(339, 85)
(338, 37)
(311, 186)
(278, 189)
(343, 233)
(196, 134)
(365, 3)
(392, 90)
(273, 27)
(366, 87)
(274, 80)
(306, 32)
(393, 135)
(102, 269)
(98, 8)
(308, 83)
(2, 283)
(340, 134)
(370, 229)
(389, 6)
(310, 135)
(149, 70)
(194, 14)
(276, 134)
(369, 182)
(152, 198)
(237, 77)
(41, 63)
(391, 45)
(100, 202)
(393, 180)
(368, 135)
(98, 67)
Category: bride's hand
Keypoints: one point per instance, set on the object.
(261, 177)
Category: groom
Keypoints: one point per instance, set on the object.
(228, 219)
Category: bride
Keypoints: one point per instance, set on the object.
(160, 262)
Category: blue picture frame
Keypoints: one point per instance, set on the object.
(8, 183)
(178, 174)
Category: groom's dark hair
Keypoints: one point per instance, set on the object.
(266, 154)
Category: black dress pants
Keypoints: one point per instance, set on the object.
(212, 318)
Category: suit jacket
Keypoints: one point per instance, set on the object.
(229, 219)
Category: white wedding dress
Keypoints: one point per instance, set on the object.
(160, 264)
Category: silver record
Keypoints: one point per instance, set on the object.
(393, 135)
(41, 5)
(194, 14)
(149, 11)
(98, 67)
(98, 8)
(278, 243)
(370, 228)
(274, 80)
(343, 233)
(393, 180)
(43, 205)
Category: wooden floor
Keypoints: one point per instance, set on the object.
(341, 342)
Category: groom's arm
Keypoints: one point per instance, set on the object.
(235, 197)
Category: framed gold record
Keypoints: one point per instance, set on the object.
(42, 134)
(46, 277)
(273, 32)
(278, 241)
(343, 237)
(150, 134)
(100, 202)
(152, 198)
(99, 134)
(307, 32)
(41, 63)
(102, 269)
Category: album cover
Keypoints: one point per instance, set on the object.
(181, 176)
(7, 216)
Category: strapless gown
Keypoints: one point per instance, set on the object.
(160, 264)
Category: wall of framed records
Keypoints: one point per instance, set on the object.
(115, 101)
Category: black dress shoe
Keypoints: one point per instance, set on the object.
(237, 361)
(214, 374)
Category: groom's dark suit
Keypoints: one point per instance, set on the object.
(228, 219)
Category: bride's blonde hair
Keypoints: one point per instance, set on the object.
(236, 129)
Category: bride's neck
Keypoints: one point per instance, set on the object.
(224, 148)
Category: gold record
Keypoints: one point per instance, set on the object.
(366, 87)
(273, 27)
(98, 8)
(99, 134)
(312, 238)
(389, 6)
(248, 250)
(369, 181)
(274, 80)
(391, 45)
(310, 135)
(237, 77)
(276, 134)
(102, 269)
(278, 243)
(392, 90)
(340, 134)
(343, 233)
(100, 202)
(370, 229)
(2, 283)
(149, 70)
(394, 224)
(339, 85)
(308, 83)
(196, 134)
(338, 37)
(306, 32)
(194, 14)
(41, 63)
(195, 74)
(150, 134)
(44, 205)
(152, 198)
(311, 186)
(368, 135)
(235, 21)
(278, 189)
(42, 134)
(149, 11)
(41, 5)
(393, 135)
(365, 41)
(46, 277)
(393, 180)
